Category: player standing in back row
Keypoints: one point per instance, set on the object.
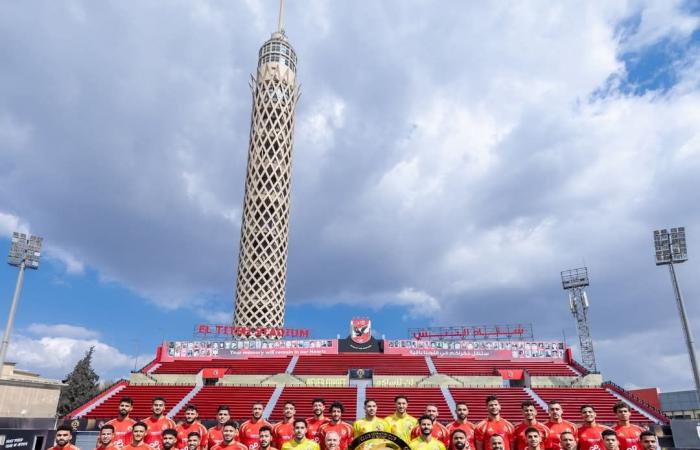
(493, 425)
(337, 425)
(529, 421)
(216, 433)
(590, 435)
(313, 424)
(229, 432)
(283, 431)
(627, 433)
(462, 413)
(401, 423)
(122, 424)
(439, 431)
(557, 425)
(426, 441)
(190, 425)
(249, 432)
(157, 423)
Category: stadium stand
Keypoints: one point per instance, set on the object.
(382, 364)
(142, 396)
(238, 398)
(572, 398)
(418, 398)
(302, 397)
(509, 398)
(463, 366)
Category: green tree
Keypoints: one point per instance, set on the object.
(82, 385)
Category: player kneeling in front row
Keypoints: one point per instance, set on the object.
(332, 441)
(104, 439)
(567, 440)
(138, 434)
(426, 441)
(648, 440)
(169, 439)
(533, 438)
(497, 442)
(300, 441)
(265, 437)
(459, 440)
(229, 431)
(64, 434)
(610, 440)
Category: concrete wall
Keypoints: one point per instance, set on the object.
(552, 381)
(481, 381)
(325, 381)
(167, 378)
(28, 399)
(396, 381)
(242, 380)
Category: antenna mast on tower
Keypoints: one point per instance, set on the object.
(575, 281)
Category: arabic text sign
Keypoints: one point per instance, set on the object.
(477, 349)
(485, 332)
(253, 348)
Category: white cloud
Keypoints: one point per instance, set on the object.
(55, 357)
(63, 330)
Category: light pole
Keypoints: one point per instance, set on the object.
(24, 253)
(670, 248)
(574, 281)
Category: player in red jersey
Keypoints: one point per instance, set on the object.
(589, 433)
(105, 438)
(190, 425)
(557, 425)
(533, 438)
(313, 425)
(265, 434)
(216, 432)
(64, 435)
(627, 434)
(169, 439)
(138, 434)
(610, 440)
(529, 421)
(249, 431)
(122, 424)
(492, 425)
(648, 439)
(283, 431)
(459, 440)
(567, 440)
(439, 431)
(462, 413)
(156, 424)
(497, 442)
(336, 424)
(229, 432)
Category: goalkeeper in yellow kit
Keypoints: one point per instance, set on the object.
(426, 441)
(370, 423)
(401, 422)
(300, 442)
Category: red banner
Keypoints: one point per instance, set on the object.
(209, 350)
(477, 349)
(511, 374)
(213, 373)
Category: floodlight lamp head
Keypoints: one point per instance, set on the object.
(574, 278)
(670, 247)
(23, 250)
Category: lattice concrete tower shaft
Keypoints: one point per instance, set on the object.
(262, 260)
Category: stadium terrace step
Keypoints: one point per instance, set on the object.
(302, 397)
(451, 404)
(533, 395)
(381, 364)
(571, 400)
(238, 398)
(274, 398)
(142, 396)
(465, 366)
(418, 398)
(292, 364)
(431, 366)
(98, 399)
(509, 398)
(186, 399)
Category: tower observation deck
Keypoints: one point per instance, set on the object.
(262, 262)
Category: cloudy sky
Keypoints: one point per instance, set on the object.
(449, 162)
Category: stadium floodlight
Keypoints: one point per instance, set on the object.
(24, 253)
(575, 281)
(670, 248)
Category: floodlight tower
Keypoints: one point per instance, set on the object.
(24, 253)
(575, 281)
(671, 248)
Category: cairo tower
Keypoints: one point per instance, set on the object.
(262, 260)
